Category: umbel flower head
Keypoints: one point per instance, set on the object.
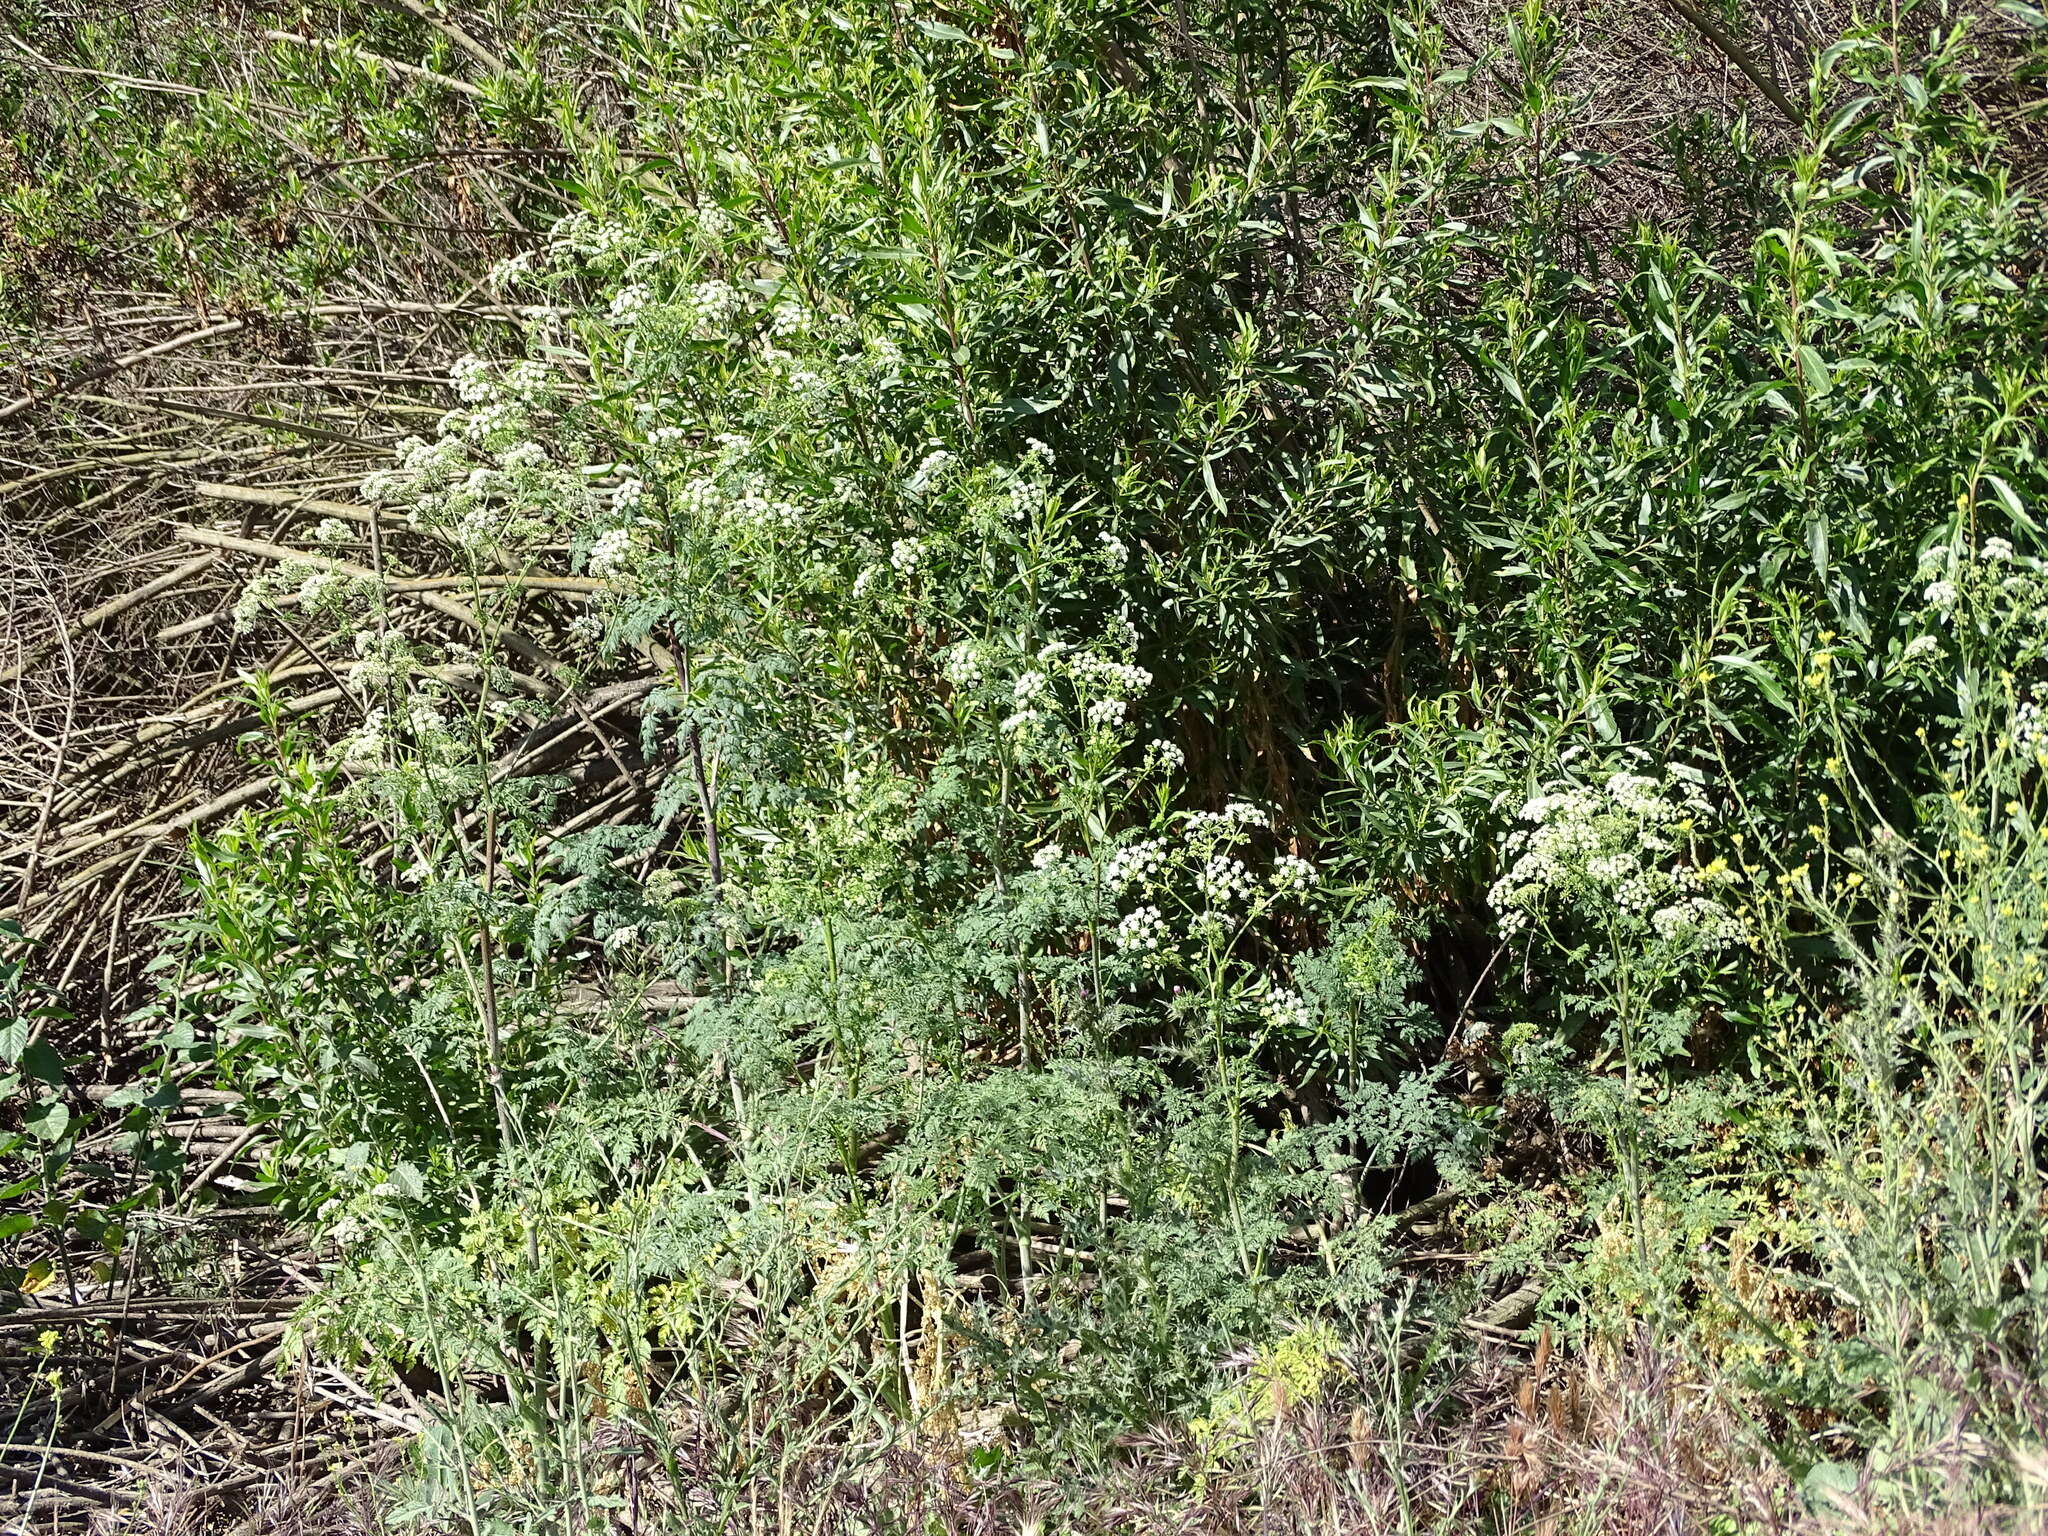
(1622, 851)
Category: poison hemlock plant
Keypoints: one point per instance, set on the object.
(1214, 663)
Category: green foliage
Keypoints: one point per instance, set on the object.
(1226, 656)
(59, 1198)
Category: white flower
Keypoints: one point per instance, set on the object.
(587, 627)
(332, 530)
(320, 586)
(701, 498)
(1228, 823)
(905, 553)
(1285, 1009)
(471, 377)
(1940, 594)
(628, 496)
(712, 306)
(1601, 850)
(1026, 497)
(527, 378)
(381, 658)
(1106, 713)
(1140, 931)
(920, 484)
(1697, 922)
(1997, 550)
(1114, 549)
(629, 302)
(2029, 730)
(1135, 864)
(1293, 874)
(365, 746)
(1922, 645)
(754, 511)
(1098, 674)
(1223, 880)
(963, 664)
(608, 554)
(250, 603)
(812, 389)
(579, 234)
(886, 357)
(1048, 856)
(511, 271)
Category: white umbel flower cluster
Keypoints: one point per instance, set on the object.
(1291, 873)
(1134, 865)
(1285, 1010)
(609, 554)
(2028, 729)
(1237, 816)
(486, 481)
(1141, 931)
(1622, 849)
(927, 475)
(965, 664)
(1224, 881)
(1105, 678)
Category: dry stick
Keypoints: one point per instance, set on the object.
(267, 1336)
(234, 799)
(214, 538)
(457, 36)
(316, 658)
(353, 50)
(72, 1452)
(113, 609)
(219, 1164)
(28, 877)
(118, 364)
(81, 1494)
(425, 591)
(192, 411)
(13, 490)
(1740, 57)
(92, 777)
(168, 1308)
(228, 327)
